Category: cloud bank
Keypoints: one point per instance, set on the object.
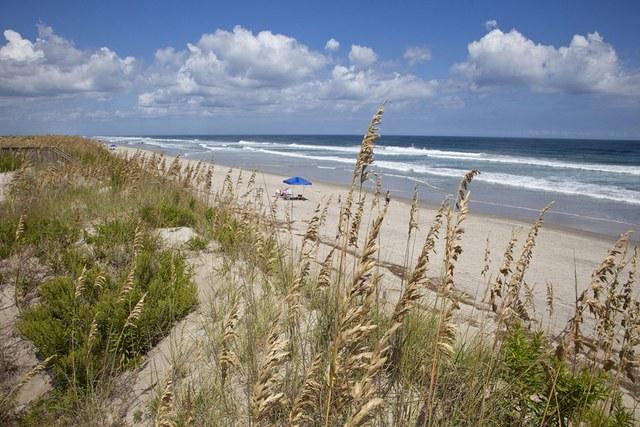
(238, 70)
(52, 65)
(231, 70)
(587, 65)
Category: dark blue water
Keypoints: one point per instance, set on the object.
(595, 184)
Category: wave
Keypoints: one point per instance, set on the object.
(390, 150)
(221, 146)
(561, 186)
(303, 156)
(556, 164)
(295, 146)
(383, 151)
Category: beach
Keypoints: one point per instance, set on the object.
(594, 184)
(562, 258)
(206, 266)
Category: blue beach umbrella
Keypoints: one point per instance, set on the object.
(296, 180)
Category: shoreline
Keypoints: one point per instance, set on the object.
(516, 222)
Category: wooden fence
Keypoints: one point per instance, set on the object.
(36, 153)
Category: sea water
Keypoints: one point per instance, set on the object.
(595, 184)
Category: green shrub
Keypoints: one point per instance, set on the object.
(539, 388)
(197, 243)
(10, 163)
(7, 236)
(61, 324)
(168, 214)
(42, 231)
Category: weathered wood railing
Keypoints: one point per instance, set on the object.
(36, 153)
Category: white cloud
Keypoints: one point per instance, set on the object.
(264, 58)
(417, 54)
(332, 44)
(350, 83)
(230, 70)
(491, 24)
(362, 56)
(52, 66)
(587, 65)
(18, 49)
(239, 70)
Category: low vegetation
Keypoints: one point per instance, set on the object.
(9, 163)
(298, 331)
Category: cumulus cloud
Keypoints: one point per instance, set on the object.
(332, 44)
(362, 56)
(417, 54)
(240, 70)
(351, 83)
(229, 70)
(587, 65)
(491, 24)
(52, 66)
(264, 58)
(18, 49)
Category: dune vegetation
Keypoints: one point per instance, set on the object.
(294, 335)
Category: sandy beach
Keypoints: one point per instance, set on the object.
(561, 257)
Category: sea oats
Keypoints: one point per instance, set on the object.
(93, 332)
(128, 286)
(324, 276)
(136, 312)
(364, 390)
(487, 259)
(365, 156)
(24, 381)
(355, 226)
(100, 282)
(266, 395)
(138, 239)
(165, 412)
(227, 358)
(464, 183)
(80, 283)
(20, 228)
(497, 290)
(549, 298)
(413, 212)
(306, 396)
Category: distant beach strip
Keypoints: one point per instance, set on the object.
(595, 184)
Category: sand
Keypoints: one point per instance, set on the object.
(563, 258)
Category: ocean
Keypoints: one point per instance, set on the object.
(595, 184)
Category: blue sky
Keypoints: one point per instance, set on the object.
(532, 69)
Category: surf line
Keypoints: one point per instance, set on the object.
(504, 205)
(593, 218)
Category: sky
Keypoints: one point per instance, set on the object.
(470, 68)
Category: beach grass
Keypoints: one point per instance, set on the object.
(297, 330)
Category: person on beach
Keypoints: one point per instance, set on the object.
(387, 197)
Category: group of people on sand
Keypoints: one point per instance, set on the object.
(286, 193)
